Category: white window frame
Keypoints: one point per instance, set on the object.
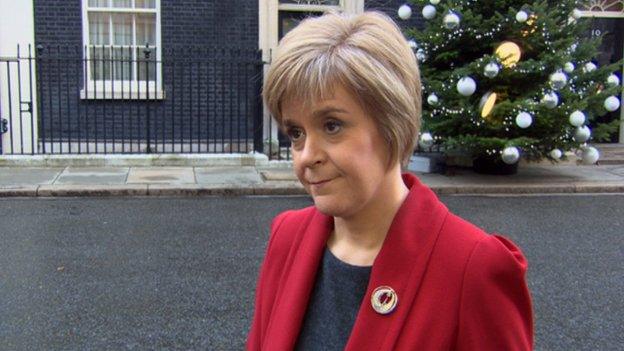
(312, 7)
(112, 89)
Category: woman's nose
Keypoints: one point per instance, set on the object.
(312, 152)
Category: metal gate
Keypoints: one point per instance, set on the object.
(97, 99)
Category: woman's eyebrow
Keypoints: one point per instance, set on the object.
(287, 122)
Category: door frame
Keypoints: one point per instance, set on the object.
(593, 9)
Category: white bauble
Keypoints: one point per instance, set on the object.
(405, 12)
(577, 118)
(466, 86)
(451, 20)
(556, 154)
(582, 134)
(412, 44)
(576, 13)
(613, 80)
(434, 2)
(426, 140)
(569, 67)
(429, 11)
(433, 100)
(589, 67)
(510, 155)
(524, 120)
(558, 80)
(550, 100)
(611, 103)
(491, 70)
(590, 155)
(420, 55)
(521, 16)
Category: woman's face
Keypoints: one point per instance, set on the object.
(338, 153)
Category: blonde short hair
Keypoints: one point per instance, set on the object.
(366, 54)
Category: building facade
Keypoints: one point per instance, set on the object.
(152, 76)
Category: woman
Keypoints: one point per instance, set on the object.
(378, 263)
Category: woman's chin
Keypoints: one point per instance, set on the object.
(329, 207)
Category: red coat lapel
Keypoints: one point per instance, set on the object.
(400, 264)
(292, 299)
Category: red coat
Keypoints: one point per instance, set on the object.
(458, 288)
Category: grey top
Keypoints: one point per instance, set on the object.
(334, 304)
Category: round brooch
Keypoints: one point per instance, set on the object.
(384, 300)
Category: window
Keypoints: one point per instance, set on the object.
(122, 49)
(311, 2)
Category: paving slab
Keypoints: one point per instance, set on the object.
(161, 175)
(93, 175)
(589, 173)
(12, 176)
(618, 170)
(227, 175)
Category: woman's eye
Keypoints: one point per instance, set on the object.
(294, 134)
(333, 127)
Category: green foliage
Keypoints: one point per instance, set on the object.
(548, 40)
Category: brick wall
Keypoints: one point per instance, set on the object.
(208, 94)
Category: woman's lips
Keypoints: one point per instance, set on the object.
(319, 184)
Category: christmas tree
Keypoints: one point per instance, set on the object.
(505, 79)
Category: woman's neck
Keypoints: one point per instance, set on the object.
(358, 238)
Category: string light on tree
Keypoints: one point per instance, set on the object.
(405, 12)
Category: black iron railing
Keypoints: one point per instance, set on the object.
(122, 99)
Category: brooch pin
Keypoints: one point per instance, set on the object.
(384, 300)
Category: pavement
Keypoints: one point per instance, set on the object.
(49, 179)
